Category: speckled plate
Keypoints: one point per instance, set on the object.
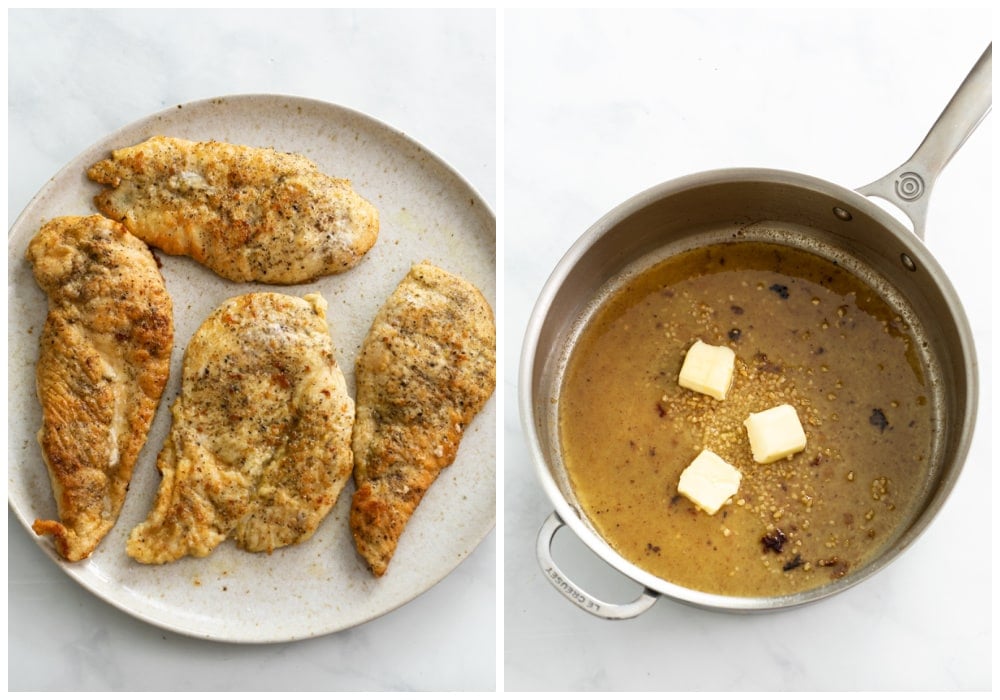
(321, 586)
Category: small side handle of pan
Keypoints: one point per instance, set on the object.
(575, 594)
(909, 185)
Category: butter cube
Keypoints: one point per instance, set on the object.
(708, 369)
(775, 433)
(709, 481)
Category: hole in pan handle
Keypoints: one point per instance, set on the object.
(909, 186)
(576, 595)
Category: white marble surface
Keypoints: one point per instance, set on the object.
(601, 105)
(74, 77)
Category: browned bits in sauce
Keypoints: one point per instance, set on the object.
(774, 540)
(794, 563)
(879, 420)
(779, 289)
(627, 429)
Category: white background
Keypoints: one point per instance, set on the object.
(76, 76)
(598, 106)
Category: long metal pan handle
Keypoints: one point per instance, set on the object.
(575, 594)
(909, 185)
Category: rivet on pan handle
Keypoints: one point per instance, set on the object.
(575, 594)
(909, 185)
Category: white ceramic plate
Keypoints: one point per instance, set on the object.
(427, 212)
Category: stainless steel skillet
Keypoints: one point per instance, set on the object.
(791, 209)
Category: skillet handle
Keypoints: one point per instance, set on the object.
(909, 185)
(572, 592)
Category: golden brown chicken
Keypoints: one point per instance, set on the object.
(426, 368)
(103, 361)
(259, 448)
(248, 214)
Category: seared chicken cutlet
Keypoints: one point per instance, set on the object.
(104, 358)
(259, 447)
(248, 214)
(426, 368)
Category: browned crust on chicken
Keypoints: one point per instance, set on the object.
(259, 448)
(103, 362)
(426, 368)
(248, 214)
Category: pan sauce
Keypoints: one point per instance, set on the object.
(805, 332)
